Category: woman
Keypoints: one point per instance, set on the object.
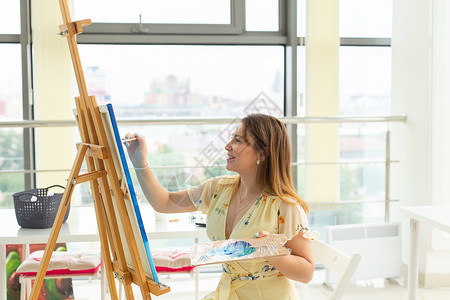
(260, 200)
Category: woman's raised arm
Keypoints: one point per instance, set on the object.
(159, 198)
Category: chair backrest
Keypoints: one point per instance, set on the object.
(344, 265)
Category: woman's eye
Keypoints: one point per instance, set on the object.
(235, 139)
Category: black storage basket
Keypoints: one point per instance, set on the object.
(39, 212)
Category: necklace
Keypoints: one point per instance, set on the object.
(242, 199)
(237, 214)
(243, 207)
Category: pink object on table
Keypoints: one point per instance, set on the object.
(61, 263)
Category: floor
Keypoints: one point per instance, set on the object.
(183, 288)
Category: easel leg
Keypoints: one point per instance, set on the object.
(120, 292)
(58, 222)
(103, 282)
(106, 255)
(128, 291)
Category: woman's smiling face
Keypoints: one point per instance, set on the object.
(241, 156)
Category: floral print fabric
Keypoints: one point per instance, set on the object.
(252, 279)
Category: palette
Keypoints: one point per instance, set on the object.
(239, 249)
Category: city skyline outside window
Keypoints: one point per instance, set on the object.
(183, 80)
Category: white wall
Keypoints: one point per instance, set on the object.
(438, 254)
(418, 89)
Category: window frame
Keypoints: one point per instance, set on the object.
(237, 25)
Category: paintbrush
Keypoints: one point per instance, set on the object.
(129, 140)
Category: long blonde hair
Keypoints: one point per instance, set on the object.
(270, 138)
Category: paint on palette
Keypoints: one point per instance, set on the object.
(231, 250)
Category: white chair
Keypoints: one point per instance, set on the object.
(344, 265)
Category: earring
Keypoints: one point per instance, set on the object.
(258, 162)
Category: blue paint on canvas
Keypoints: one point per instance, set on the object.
(232, 250)
(132, 192)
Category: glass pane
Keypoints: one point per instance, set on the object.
(181, 156)
(166, 81)
(362, 182)
(9, 17)
(361, 175)
(11, 158)
(362, 141)
(10, 82)
(261, 15)
(185, 155)
(301, 81)
(365, 18)
(301, 17)
(349, 213)
(168, 11)
(365, 80)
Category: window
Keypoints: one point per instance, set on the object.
(9, 17)
(160, 12)
(261, 15)
(11, 139)
(176, 81)
(364, 80)
(220, 59)
(163, 17)
(364, 90)
(365, 18)
(157, 81)
(10, 82)
(11, 158)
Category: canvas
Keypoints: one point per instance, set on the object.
(120, 163)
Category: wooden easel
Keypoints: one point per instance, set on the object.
(105, 186)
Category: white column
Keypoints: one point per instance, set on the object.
(322, 98)
(53, 97)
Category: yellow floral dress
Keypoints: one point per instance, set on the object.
(251, 279)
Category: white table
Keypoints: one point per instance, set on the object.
(81, 226)
(436, 216)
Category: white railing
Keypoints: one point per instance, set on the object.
(217, 121)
